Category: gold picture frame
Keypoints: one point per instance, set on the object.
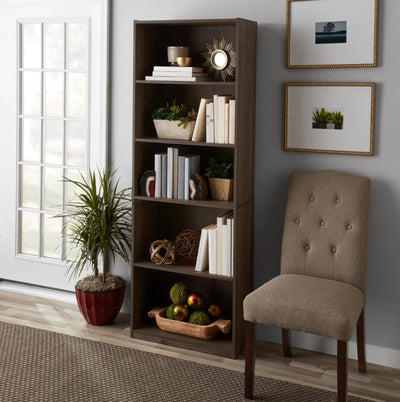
(335, 118)
(317, 33)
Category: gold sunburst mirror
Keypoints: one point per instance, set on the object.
(220, 59)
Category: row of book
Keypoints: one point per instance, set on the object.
(173, 173)
(215, 122)
(176, 73)
(216, 247)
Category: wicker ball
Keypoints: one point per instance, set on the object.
(162, 252)
(187, 245)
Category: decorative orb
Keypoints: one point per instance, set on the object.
(162, 252)
(187, 245)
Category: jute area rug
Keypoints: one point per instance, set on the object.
(38, 365)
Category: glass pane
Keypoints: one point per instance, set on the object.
(30, 140)
(71, 251)
(31, 45)
(54, 45)
(53, 186)
(29, 231)
(76, 95)
(53, 141)
(30, 186)
(76, 143)
(52, 235)
(77, 45)
(71, 189)
(54, 94)
(31, 93)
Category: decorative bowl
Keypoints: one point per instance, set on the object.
(184, 61)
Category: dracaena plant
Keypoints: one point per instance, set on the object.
(98, 222)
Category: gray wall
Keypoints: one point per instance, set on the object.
(273, 164)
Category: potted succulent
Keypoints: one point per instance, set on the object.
(174, 121)
(97, 226)
(321, 118)
(220, 177)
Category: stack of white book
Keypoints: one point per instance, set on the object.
(176, 73)
(216, 247)
(215, 122)
(173, 173)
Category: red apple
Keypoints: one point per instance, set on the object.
(214, 310)
(180, 311)
(195, 301)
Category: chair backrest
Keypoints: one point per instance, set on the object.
(326, 226)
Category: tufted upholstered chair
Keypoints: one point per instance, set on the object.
(321, 288)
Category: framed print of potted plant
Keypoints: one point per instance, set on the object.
(330, 118)
(331, 33)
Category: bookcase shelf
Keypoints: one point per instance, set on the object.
(164, 218)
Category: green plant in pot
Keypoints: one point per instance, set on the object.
(97, 226)
(175, 121)
(220, 178)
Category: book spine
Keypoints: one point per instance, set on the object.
(158, 175)
(232, 121)
(181, 177)
(210, 122)
(170, 172)
(164, 168)
(175, 173)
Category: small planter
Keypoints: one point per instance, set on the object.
(170, 129)
(221, 189)
(100, 308)
(319, 125)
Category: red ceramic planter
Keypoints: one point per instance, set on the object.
(100, 308)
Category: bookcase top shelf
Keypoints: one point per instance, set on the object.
(155, 140)
(195, 83)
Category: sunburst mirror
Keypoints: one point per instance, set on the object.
(220, 59)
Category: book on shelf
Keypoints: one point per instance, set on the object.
(221, 221)
(231, 226)
(177, 68)
(199, 131)
(158, 175)
(179, 78)
(202, 261)
(226, 123)
(192, 166)
(181, 177)
(180, 73)
(219, 123)
(210, 122)
(172, 172)
(232, 120)
(212, 249)
(164, 169)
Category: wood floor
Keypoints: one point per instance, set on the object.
(307, 368)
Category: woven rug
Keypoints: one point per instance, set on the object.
(38, 365)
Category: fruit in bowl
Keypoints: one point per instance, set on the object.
(195, 301)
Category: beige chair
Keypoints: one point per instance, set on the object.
(321, 288)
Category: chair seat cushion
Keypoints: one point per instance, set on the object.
(304, 303)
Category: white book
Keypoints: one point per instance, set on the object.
(199, 131)
(158, 175)
(226, 123)
(192, 166)
(221, 220)
(181, 177)
(215, 103)
(189, 79)
(164, 168)
(202, 261)
(177, 68)
(180, 73)
(232, 121)
(210, 122)
(229, 222)
(171, 153)
(212, 249)
(225, 249)
(220, 126)
(175, 172)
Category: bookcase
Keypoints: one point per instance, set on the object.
(164, 218)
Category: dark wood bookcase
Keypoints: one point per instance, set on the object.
(161, 218)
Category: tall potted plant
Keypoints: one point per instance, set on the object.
(97, 227)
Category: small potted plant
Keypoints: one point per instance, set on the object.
(337, 120)
(97, 226)
(174, 121)
(220, 177)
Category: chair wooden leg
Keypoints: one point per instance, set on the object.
(362, 365)
(342, 371)
(250, 331)
(287, 349)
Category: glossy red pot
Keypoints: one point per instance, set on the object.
(100, 308)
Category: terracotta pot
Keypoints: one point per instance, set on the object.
(100, 308)
(221, 189)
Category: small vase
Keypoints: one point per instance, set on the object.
(172, 130)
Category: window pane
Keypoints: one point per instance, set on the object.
(54, 94)
(31, 93)
(30, 186)
(54, 45)
(30, 140)
(31, 46)
(76, 95)
(53, 187)
(53, 141)
(71, 189)
(76, 143)
(52, 231)
(29, 230)
(77, 45)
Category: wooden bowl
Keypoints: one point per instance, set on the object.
(184, 61)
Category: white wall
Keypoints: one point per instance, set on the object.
(273, 164)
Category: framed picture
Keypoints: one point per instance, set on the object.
(331, 33)
(336, 118)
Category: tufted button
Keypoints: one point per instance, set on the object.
(333, 249)
(307, 247)
(312, 198)
(297, 221)
(322, 223)
(337, 200)
(348, 227)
